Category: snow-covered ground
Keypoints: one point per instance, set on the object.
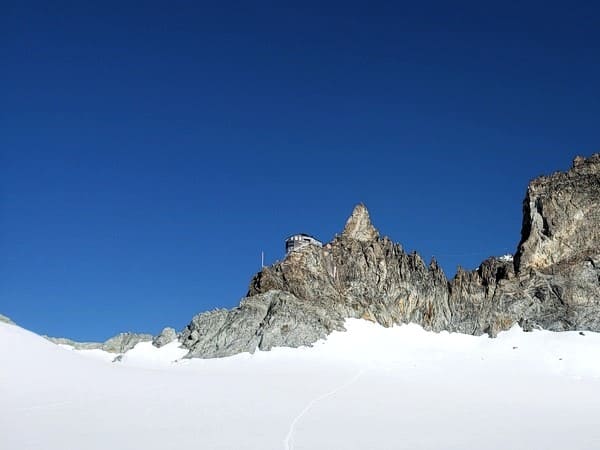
(368, 388)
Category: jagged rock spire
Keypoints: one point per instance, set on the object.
(359, 225)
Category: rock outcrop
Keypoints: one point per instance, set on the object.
(561, 217)
(120, 343)
(123, 342)
(266, 320)
(553, 283)
(166, 336)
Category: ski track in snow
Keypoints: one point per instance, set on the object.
(288, 442)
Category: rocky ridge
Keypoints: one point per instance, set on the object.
(553, 283)
(120, 343)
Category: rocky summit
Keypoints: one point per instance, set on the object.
(553, 282)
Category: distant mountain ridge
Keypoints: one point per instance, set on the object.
(120, 343)
(553, 282)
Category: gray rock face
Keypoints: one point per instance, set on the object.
(117, 344)
(554, 282)
(166, 336)
(263, 321)
(123, 342)
(561, 217)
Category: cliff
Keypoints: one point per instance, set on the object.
(554, 282)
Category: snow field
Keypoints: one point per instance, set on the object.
(367, 388)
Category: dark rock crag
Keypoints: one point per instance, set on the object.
(553, 283)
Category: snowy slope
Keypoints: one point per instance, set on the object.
(368, 388)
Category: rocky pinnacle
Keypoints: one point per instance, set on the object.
(359, 225)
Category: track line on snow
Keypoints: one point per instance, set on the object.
(288, 442)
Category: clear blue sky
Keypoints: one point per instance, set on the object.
(151, 150)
